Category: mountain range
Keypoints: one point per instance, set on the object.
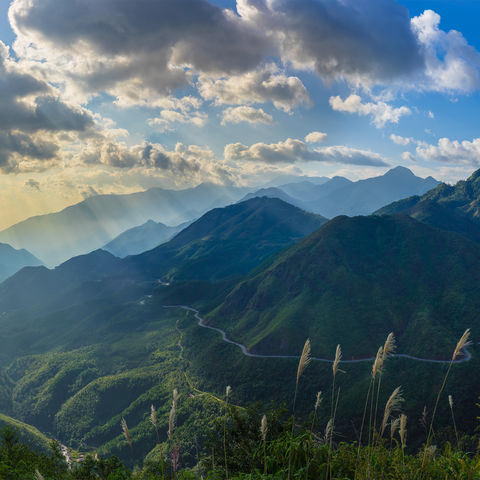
(12, 260)
(448, 207)
(224, 242)
(142, 238)
(352, 282)
(90, 342)
(340, 196)
(89, 225)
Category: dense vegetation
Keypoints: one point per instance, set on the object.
(352, 282)
(448, 207)
(240, 443)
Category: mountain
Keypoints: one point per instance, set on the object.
(90, 224)
(352, 282)
(226, 241)
(340, 196)
(142, 238)
(272, 192)
(306, 190)
(12, 260)
(455, 208)
(288, 178)
(34, 287)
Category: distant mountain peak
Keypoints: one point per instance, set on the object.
(399, 170)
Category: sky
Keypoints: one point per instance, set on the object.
(115, 96)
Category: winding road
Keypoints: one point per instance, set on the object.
(201, 322)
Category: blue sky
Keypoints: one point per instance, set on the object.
(101, 98)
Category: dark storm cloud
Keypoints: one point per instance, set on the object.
(141, 39)
(357, 40)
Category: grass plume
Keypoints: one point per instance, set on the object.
(393, 404)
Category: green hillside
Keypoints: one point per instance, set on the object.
(226, 241)
(352, 282)
(449, 207)
(27, 434)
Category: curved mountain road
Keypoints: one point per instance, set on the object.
(243, 348)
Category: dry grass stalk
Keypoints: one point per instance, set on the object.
(394, 426)
(462, 343)
(450, 403)
(389, 346)
(377, 364)
(328, 431)
(303, 363)
(126, 432)
(305, 359)
(318, 401)
(38, 475)
(336, 362)
(153, 416)
(171, 421)
(430, 451)
(264, 428)
(403, 430)
(392, 405)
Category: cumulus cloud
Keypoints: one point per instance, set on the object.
(399, 140)
(451, 63)
(169, 117)
(246, 114)
(193, 163)
(266, 84)
(32, 118)
(366, 42)
(294, 150)
(135, 49)
(380, 112)
(316, 137)
(451, 151)
(350, 156)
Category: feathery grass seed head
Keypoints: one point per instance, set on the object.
(38, 475)
(228, 391)
(305, 359)
(462, 343)
(153, 416)
(328, 431)
(126, 432)
(389, 346)
(392, 405)
(450, 401)
(318, 401)
(336, 362)
(264, 427)
(394, 426)
(377, 364)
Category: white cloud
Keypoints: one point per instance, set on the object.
(380, 112)
(451, 64)
(451, 151)
(134, 50)
(408, 157)
(266, 84)
(399, 140)
(316, 137)
(294, 150)
(246, 114)
(350, 156)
